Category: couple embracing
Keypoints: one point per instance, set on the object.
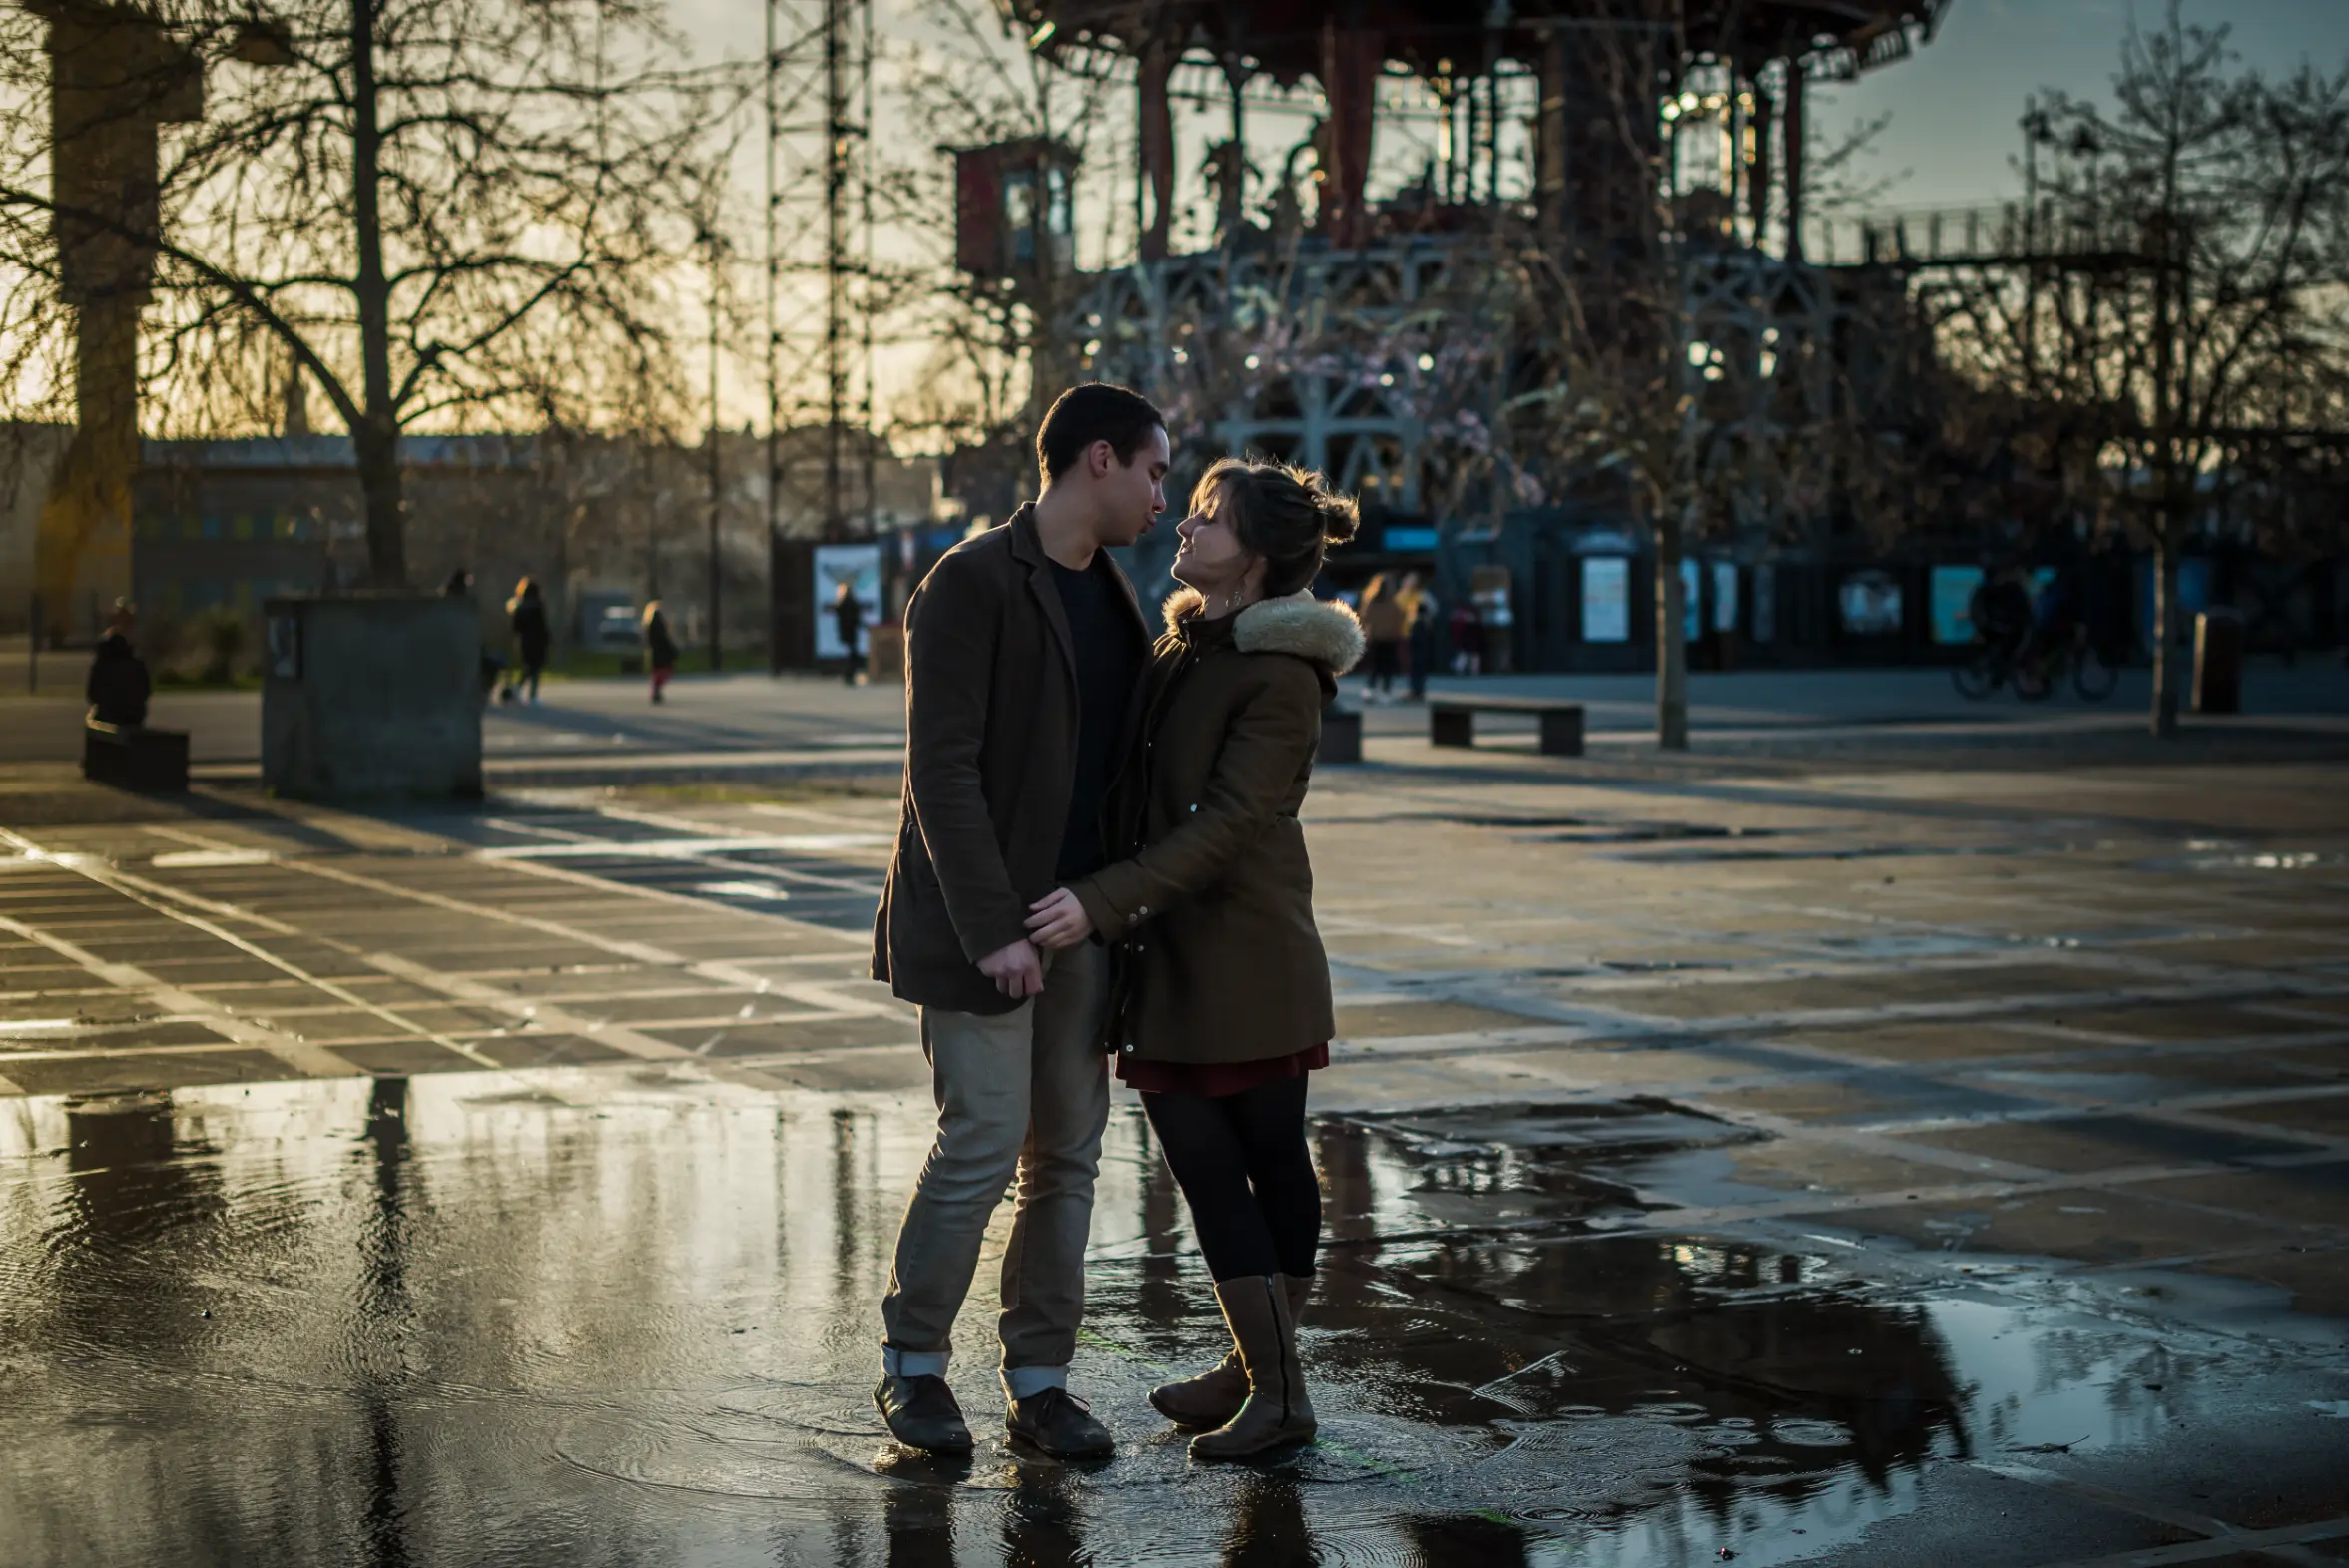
(1099, 861)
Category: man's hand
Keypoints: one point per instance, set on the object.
(1019, 971)
(1058, 919)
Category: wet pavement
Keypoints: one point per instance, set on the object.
(744, 723)
(1864, 1168)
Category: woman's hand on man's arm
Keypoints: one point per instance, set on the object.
(1058, 919)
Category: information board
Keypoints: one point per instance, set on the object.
(1606, 599)
(857, 565)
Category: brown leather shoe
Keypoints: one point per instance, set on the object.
(1213, 1398)
(1277, 1413)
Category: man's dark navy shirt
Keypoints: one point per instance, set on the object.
(1109, 661)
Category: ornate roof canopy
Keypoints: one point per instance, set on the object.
(1284, 38)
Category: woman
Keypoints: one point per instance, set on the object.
(1222, 999)
(1387, 619)
(118, 687)
(660, 649)
(1468, 637)
(527, 615)
(1423, 644)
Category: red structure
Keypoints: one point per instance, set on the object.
(1583, 51)
(1012, 210)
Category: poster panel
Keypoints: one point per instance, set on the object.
(1692, 600)
(1606, 599)
(1724, 596)
(1870, 604)
(1952, 602)
(857, 565)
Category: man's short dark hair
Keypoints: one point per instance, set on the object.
(1095, 411)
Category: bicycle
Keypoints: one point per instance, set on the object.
(2039, 673)
(1992, 665)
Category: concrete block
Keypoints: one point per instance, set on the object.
(133, 757)
(372, 698)
(1340, 735)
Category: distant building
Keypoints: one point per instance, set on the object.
(225, 525)
(29, 454)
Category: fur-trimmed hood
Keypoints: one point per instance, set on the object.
(1319, 630)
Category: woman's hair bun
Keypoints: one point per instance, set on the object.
(1340, 515)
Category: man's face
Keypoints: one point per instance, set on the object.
(1134, 494)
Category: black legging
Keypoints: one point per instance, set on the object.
(1243, 1169)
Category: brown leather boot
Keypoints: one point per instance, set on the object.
(1214, 1395)
(1277, 1412)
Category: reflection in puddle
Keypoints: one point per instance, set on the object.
(2257, 861)
(632, 1317)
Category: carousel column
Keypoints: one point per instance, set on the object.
(1350, 74)
(1793, 116)
(1155, 150)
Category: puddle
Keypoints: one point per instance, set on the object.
(1822, 853)
(1599, 829)
(199, 859)
(2256, 860)
(630, 1316)
(763, 892)
(1663, 833)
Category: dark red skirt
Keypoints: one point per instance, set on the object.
(1213, 1079)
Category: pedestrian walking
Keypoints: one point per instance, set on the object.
(459, 585)
(1023, 645)
(847, 618)
(1468, 637)
(660, 649)
(1423, 644)
(1384, 621)
(526, 614)
(119, 686)
(1221, 1005)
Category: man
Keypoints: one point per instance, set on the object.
(848, 619)
(2001, 612)
(1023, 648)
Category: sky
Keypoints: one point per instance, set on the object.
(1954, 104)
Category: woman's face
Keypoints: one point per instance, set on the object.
(1211, 557)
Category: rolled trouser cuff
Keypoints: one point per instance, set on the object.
(1025, 1383)
(912, 1364)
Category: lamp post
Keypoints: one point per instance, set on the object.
(717, 655)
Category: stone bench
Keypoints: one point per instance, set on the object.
(1340, 735)
(135, 756)
(1451, 721)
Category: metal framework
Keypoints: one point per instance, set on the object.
(819, 255)
(1385, 272)
(1366, 433)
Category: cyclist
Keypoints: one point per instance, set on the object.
(2054, 614)
(2000, 611)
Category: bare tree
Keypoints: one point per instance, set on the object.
(2182, 312)
(964, 81)
(437, 210)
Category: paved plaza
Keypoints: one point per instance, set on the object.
(1834, 1147)
(749, 723)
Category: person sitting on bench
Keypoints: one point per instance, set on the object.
(118, 688)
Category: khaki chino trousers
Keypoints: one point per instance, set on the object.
(1025, 1096)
